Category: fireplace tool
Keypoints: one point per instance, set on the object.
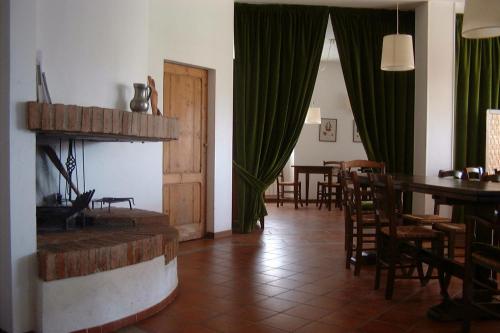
(65, 216)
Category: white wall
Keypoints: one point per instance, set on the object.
(20, 242)
(330, 95)
(5, 264)
(200, 33)
(92, 53)
(434, 93)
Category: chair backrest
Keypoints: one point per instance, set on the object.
(384, 200)
(472, 173)
(359, 195)
(347, 195)
(336, 168)
(364, 165)
(457, 174)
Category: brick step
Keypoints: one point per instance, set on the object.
(106, 246)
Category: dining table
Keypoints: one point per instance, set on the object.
(312, 169)
(478, 199)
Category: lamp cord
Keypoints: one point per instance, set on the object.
(397, 18)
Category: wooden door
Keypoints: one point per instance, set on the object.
(184, 160)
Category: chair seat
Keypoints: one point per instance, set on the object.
(412, 232)
(426, 219)
(450, 227)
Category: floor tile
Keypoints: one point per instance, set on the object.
(318, 327)
(276, 304)
(307, 312)
(285, 322)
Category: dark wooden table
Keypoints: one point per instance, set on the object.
(466, 192)
(311, 169)
(478, 198)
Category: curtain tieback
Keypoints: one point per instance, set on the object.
(249, 178)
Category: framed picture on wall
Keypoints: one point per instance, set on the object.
(328, 130)
(355, 133)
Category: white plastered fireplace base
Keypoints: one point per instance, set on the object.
(82, 302)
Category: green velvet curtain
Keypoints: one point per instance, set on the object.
(382, 102)
(277, 55)
(477, 90)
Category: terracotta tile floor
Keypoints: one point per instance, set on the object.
(291, 278)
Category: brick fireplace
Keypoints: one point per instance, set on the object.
(120, 265)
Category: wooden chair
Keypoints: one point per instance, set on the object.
(359, 222)
(283, 188)
(396, 242)
(485, 256)
(359, 215)
(364, 166)
(453, 229)
(446, 225)
(323, 189)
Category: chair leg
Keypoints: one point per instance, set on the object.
(322, 197)
(391, 273)
(277, 195)
(349, 245)
(346, 229)
(420, 268)
(444, 279)
(318, 194)
(300, 195)
(282, 198)
(378, 268)
(359, 250)
(339, 197)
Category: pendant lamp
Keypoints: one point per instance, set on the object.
(313, 116)
(397, 51)
(481, 19)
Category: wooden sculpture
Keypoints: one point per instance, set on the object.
(154, 97)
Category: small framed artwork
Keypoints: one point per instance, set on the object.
(355, 133)
(328, 130)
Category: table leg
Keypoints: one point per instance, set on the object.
(307, 188)
(295, 187)
(330, 189)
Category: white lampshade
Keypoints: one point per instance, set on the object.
(397, 53)
(481, 19)
(313, 116)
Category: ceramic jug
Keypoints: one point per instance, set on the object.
(140, 102)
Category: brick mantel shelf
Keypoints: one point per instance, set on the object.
(98, 124)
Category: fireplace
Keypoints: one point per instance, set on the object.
(100, 267)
